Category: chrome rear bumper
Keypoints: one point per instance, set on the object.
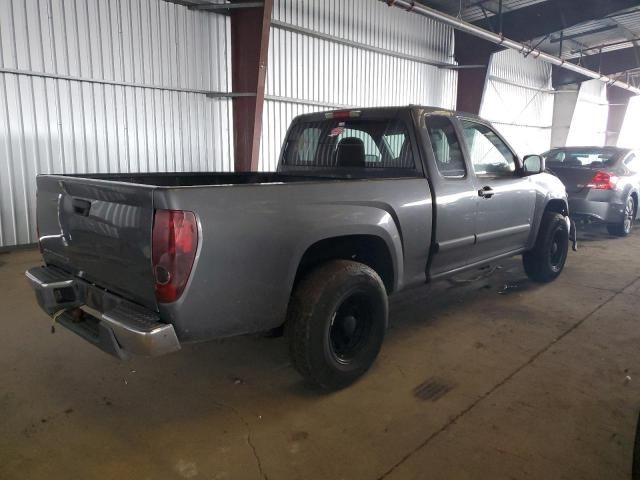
(122, 328)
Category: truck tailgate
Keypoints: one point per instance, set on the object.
(100, 231)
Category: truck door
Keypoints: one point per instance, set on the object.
(456, 197)
(506, 200)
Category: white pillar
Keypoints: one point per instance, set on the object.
(566, 97)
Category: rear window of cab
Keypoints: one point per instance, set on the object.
(360, 143)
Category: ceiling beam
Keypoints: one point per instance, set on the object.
(604, 28)
(501, 41)
(544, 18)
(225, 7)
(607, 63)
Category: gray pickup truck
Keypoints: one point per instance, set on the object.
(365, 203)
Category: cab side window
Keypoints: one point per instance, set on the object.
(446, 146)
(489, 155)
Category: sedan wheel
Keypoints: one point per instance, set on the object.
(629, 214)
(623, 228)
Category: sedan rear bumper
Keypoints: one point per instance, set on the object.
(123, 327)
(593, 210)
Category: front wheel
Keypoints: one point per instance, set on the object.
(545, 262)
(623, 228)
(336, 323)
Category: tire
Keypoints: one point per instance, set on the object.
(624, 227)
(546, 260)
(336, 323)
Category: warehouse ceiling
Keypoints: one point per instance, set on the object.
(601, 35)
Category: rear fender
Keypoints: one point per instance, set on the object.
(349, 220)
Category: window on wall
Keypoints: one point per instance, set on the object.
(489, 155)
(350, 143)
(629, 137)
(446, 146)
(633, 163)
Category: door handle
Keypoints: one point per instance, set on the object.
(486, 192)
(81, 207)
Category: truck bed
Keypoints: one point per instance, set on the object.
(188, 179)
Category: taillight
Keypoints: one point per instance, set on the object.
(603, 181)
(174, 244)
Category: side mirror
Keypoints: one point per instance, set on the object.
(533, 164)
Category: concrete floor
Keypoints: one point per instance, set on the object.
(495, 378)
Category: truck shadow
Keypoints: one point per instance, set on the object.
(233, 367)
(228, 370)
(263, 363)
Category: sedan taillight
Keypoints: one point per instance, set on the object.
(174, 244)
(603, 181)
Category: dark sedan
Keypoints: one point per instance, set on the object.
(603, 183)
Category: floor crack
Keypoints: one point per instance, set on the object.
(248, 438)
(502, 382)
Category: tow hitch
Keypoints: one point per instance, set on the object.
(573, 235)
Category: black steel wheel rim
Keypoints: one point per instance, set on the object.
(558, 250)
(350, 328)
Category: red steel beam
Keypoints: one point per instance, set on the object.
(249, 49)
(471, 51)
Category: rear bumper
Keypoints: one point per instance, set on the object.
(121, 329)
(600, 211)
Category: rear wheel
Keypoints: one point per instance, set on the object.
(545, 262)
(336, 323)
(623, 228)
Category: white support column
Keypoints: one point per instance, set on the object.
(564, 106)
(618, 102)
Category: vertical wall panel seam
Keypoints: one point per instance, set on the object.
(81, 88)
(23, 147)
(46, 98)
(68, 85)
(9, 149)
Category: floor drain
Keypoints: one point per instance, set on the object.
(432, 389)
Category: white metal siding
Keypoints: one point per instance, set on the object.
(518, 100)
(106, 86)
(589, 123)
(307, 73)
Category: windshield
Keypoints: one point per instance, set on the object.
(349, 143)
(587, 157)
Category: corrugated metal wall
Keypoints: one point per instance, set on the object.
(106, 86)
(135, 85)
(518, 99)
(312, 68)
(589, 122)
